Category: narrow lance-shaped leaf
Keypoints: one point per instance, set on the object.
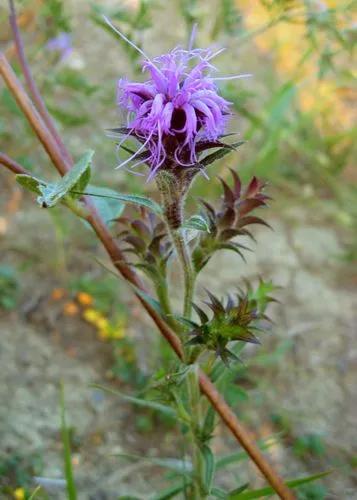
(235, 492)
(264, 492)
(105, 202)
(209, 466)
(221, 153)
(71, 487)
(144, 403)
(239, 456)
(150, 301)
(197, 222)
(219, 493)
(175, 464)
(170, 492)
(142, 201)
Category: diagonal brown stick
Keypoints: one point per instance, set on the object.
(62, 165)
(31, 84)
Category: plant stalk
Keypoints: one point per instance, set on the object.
(173, 191)
(173, 198)
(118, 259)
(188, 271)
(163, 297)
(193, 392)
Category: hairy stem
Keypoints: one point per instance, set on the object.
(193, 392)
(173, 191)
(188, 271)
(162, 293)
(173, 198)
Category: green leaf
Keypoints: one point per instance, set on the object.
(71, 184)
(71, 487)
(209, 466)
(104, 200)
(263, 492)
(219, 493)
(209, 423)
(221, 153)
(142, 201)
(30, 183)
(175, 464)
(155, 304)
(186, 322)
(230, 246)
(144, 403)
(197, 222)
(129, 497)
(219, 368)
(238, 456)
(169, 492)
(240, 489)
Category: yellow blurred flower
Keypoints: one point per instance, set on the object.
(85, 299)
(58, 293)
(102, 323)
(91, 315)
(70, 309)
(19, 494)
(118, 332)
(106, 330)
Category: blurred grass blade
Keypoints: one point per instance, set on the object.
(219, 493)
(239, 456)
(182, 467)
(71, 487)
(169, 492)
(144, 403)
(263, 492)
(34, 493)
(240, 489)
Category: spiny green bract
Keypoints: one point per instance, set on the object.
(236, 319)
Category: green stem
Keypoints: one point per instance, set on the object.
(173, 194)
(194, 397)
(162, 293)
(188, 271)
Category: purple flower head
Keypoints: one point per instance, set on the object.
(176, 110)
(62, 44)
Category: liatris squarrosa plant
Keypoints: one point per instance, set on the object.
(179, 121)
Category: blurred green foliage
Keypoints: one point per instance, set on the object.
(9, 287)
